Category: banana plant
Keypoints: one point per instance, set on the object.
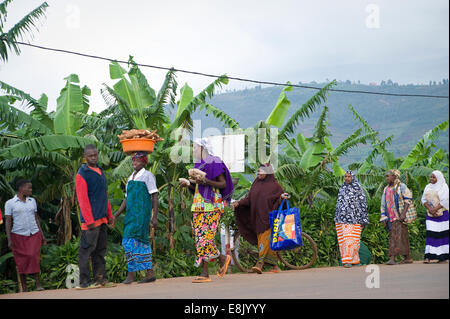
(8, 39)
(305, 162)
(135, 104)
(415, 167)
(51, 140)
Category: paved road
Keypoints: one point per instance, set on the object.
(401, 281)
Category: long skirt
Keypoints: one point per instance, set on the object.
(27, 252)
(436, 243)
(138, 254)
(398, 239)
(266, 255)
(205, 226)
(349, 236)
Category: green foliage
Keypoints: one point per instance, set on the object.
(19, 30)
(174, 263)
(54, 261)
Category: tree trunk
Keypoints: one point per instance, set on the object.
(65, 222)
(171, 218)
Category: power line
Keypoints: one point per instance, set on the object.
(229, 77)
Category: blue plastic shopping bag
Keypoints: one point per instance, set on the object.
(286, 231)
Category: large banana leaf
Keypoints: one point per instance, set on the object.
(16, 118)
(19, 30)
(137, 93)
(186, 97)
(71, 100)
(306, 109)
(422, 148)
(312, 156)
(49, 143)
(279, 112)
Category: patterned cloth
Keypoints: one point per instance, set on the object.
(394, 199)
(351, 205)
(390, 204)
(139, 211)
(206, 218)
(138, 254)
(266, 255)
(398, 239)
(349, 236)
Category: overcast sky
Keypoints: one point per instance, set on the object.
(370, 41)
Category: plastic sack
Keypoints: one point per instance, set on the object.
(285, 228)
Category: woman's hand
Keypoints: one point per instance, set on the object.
(433, 211)
(10, 244)
(235, 205)
(112, 221)
(184, 182)
(285, 196)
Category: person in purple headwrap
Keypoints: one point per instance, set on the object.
(210, 197)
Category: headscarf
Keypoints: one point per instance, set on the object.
(213, 167)
(351, 205)
(440, 187)
(142, 156)
(205, 143)
(397, 175)
(252, 215)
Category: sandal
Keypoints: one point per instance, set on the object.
(275, 271)
(223, 270)
(201, 279)
(391, 263)
(348, 265)
(146, 280)
(406, 261)
(257, 270)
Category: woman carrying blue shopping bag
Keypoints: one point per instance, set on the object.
(252, 216)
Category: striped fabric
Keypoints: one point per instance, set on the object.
(349, 236)
(436, 244)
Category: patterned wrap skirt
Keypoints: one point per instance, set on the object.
(398, 239)
(349, 236)
(206, 217)
(138, 254)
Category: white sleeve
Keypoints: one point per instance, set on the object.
(8, 209)
(423, 200)
(35, 205)
(150, 181)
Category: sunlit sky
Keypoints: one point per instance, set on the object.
(370, 41)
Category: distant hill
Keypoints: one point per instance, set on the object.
(408, 118)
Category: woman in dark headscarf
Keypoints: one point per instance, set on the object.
(351, 215)
(252, 215)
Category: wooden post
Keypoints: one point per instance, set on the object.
(171, 218)
(19, 281)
